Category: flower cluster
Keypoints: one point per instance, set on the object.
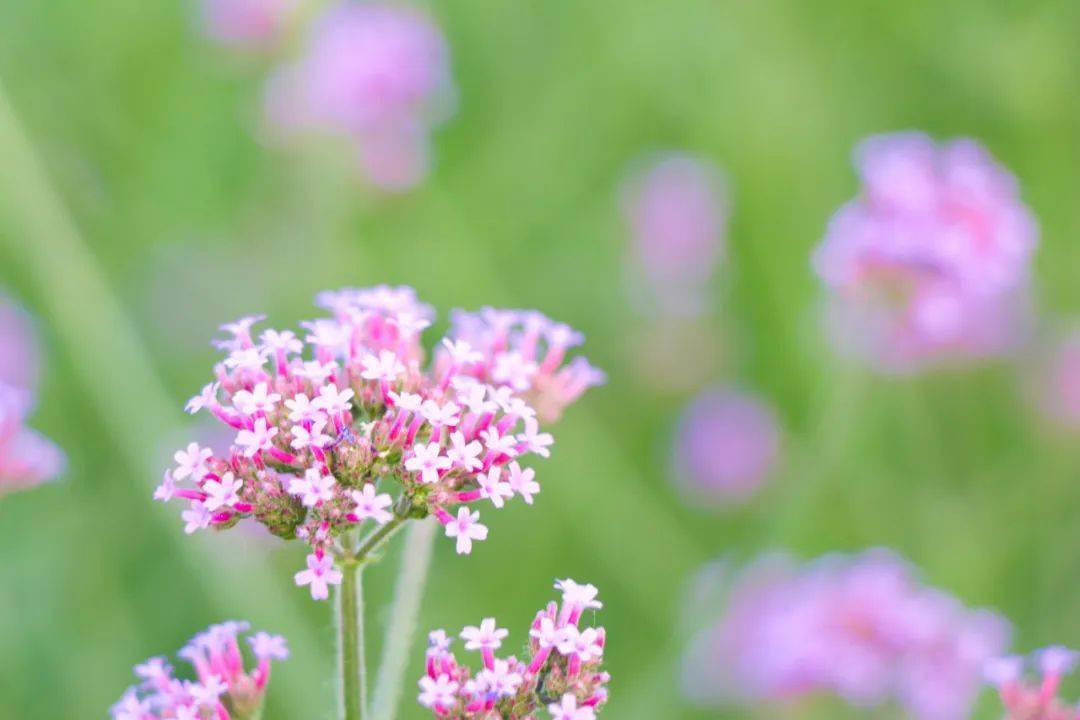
(1024, 700)
(676, 212)
(377, 73)
(561, 673)
(223, 689)
(323, 436)
(1055, 380)
(860, 627)
(27, 458)
(247, 23)
(726, 445)
(931, 261)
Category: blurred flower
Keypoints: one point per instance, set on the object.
(1024, 700)
(19, 354)
(676, 210)
(862, 627)
(223, 689)
(247, 23)
(320, 441)
(377, 73)
(931, 262)
(27, 458)
(1054, 379)
(726, 445)
(561, 673)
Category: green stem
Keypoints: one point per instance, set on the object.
(402, 628)
(373, 542)
(351, 661)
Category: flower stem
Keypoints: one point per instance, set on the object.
(399, 633)
(351, 661)
(376, 540)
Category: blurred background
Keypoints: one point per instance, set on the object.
(141, 206)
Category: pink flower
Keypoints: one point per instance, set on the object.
(370, 505)
(377, 73)
(246, 23)
(257, 439)
(221, 679)
(19, 348)
(726, 446)
(222, 493)
(466, 527)
(862, 627)
(428, 461)
(494, 489)
(192, 462)
(931, 262)
(676, 211)
(196, 517)
(320, 575)
(1027, 700)
(313, 488)
(567, 709)
(521, 482)
(449, 687)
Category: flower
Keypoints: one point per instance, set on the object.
(466, 528)
(370, 505)
(246, 24)
(376, 73)
(323, 421)
(223, 688)
(727, 444)
(1025, 700)
(508, 687)
(676, 210)
(861, 627)
(931, 262)
(320, 574)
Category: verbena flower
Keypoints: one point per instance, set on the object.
(861, 627)
(561, 671)
(1024, 699)
(27, 458)
(1054, 380)
(376, 73)
(222, 688)
(676, 211)
(247, 23)
(930, 263)
(342, 425)
(726, 446)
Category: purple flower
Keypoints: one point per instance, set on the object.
(377, 73)
(726, 446)
(222, 688)
(930, 262)
(19, 351)
(246, 23)
(676, 210)
(1024, 699)
(861, 627)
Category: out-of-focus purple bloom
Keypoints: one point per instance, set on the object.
(27, 458)
(861, 627)
(19, 354)
(676, 210)
(247, 23)
(726, 445)
(377, 73)
(1056, 382)
(931, 261)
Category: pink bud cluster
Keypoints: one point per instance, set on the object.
(377, 73)
(222, 690)
(561, 673)
(27, 458)
(930, 263)
(676, 211)
(1026, 700)
(328, 426)
(860, 627)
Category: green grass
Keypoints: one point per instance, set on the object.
(143, 132)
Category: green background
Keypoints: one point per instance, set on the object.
(138, 212)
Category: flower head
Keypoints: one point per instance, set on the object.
(321, 421)
(930, 263)
(1024, 699)
(221, 685)
(563, 661)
